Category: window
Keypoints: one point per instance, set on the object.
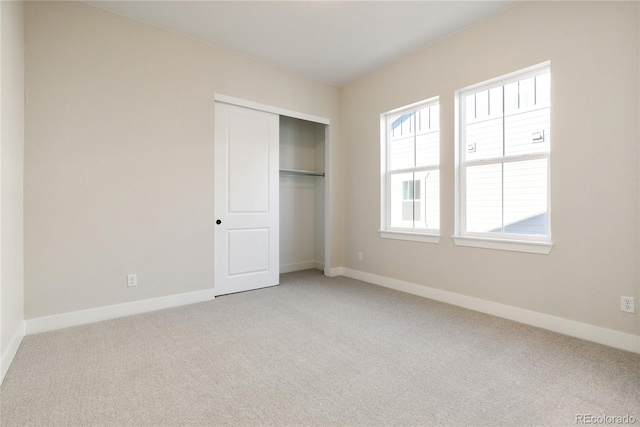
(503, 154)
(410, 145)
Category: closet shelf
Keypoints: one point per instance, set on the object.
(300, 172)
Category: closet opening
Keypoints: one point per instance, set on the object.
(303, 201)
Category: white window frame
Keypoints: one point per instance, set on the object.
(428, 235)
(508, 242)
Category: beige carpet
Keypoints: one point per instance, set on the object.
(315, 351)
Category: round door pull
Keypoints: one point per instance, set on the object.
(218, 222)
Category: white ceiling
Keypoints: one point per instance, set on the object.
(332, 41)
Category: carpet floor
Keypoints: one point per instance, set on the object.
(315, 351)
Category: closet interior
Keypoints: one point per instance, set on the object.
(302, 194)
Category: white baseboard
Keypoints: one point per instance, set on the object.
(83, 317)
(10, 352)
(299, 266)
(336, 271)
(572, 328)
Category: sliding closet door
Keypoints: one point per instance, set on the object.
(246, 199)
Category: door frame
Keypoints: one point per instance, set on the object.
(327, 163)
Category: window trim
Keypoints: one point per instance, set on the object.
(508, 242)
(410, 236)
(428, 235)
(533, 247)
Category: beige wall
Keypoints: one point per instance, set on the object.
(594, 52)
(119, 154)
(11, 168)
(119, 158)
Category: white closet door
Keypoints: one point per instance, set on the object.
(246, 199)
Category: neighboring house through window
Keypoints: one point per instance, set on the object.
(410, 146)
(503, 154)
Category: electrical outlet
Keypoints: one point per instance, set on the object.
(627, 304)
(132, 280)
(359, 256)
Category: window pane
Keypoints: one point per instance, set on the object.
(428, 149)
(527, 93)
(495, 102)
(401, 125)
(401, 208)
(427, 138)
(484, 139)
(402, 141)
(418, 202)
(528, 132)
(434, 111)
(407, 190)
(511, 97)
(470, 102)
(427, 200)
(482, 104)
(415, 200)
(401, 153)
(417, 188)
(484, 198)
(525, 197)
(423, 120)
(407, 124)
(543, 89)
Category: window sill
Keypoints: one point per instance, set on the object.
(504, 245)
(413, 237)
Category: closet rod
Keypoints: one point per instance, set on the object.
(300, 172)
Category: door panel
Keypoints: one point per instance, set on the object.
(246, 199)
(249, 154)
(248, 251)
